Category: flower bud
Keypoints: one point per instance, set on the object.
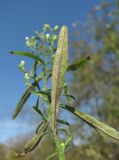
(54, 38)
(65, 84)
(55, 28)
(47, 36)
(46, 27)
(26, 76)
(62, 144)
(21, 64)
(53, 56)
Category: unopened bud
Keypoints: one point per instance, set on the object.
(21, 64)
(62, 144)
(55, 28)
(26, 76)
(54, 38)
(46, 27)
(47, 36)
(53, 56)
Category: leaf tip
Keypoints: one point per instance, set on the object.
(11, 52)
(13, 117)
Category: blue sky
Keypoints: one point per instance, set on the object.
(19, 19)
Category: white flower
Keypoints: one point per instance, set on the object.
(22, 62)
(21, 65)
(26, 38)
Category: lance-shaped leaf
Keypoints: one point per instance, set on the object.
(77, 64)
(63, 122)
(32, 144)
(70, 98)
(26, 95)
(23, 99)
(29, 55)
(102, 128)
(59, 68)
(36, 109)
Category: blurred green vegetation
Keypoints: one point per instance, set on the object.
(96, 87)
(98, 82)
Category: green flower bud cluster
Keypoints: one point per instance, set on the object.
(43, 44)
(31, 42)
(47, 36)
(27, 76)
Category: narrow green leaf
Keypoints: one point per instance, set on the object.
(63, 122)
(32, 144)
(40, 125)
(34, 68)
(27, 94)
(77, 64)
(68, 141)
(96, 124)
(23, 100)
(71, 97)
(49, 75)
(44, 95)
(59, 68)
(39, 112)
(29, 55)
(36, 109)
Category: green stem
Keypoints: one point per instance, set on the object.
(60, 149)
